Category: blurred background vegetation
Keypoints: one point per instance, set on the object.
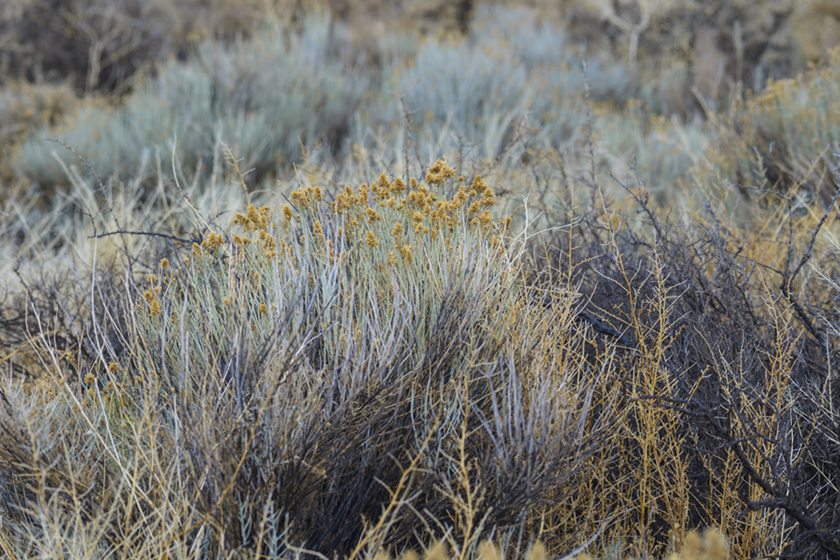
(281, 82)
(630, 336)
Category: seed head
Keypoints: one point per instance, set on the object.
(213, 241)
(406, 253)
(439, 172)
(371, 214)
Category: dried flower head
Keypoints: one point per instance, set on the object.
(406, 253)
(307, 197)
(439, 172)
(213, 241)
(151, 298)
(371, 214)
(253, 219)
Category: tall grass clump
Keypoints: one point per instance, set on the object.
(361, 362)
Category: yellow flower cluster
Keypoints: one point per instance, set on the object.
(256, 223)
(307, 197)
(438, 204)
(371, 214)
(213, 241)
(253, 219)
(406, 253)
(439, 172)
(364, 217)
(152, 300)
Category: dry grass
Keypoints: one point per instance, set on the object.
(608, 328)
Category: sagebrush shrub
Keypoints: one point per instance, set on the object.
(269, 99)
(305, 364)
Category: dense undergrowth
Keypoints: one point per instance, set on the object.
(318, 290)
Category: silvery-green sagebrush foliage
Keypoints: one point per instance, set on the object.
(268, 99)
